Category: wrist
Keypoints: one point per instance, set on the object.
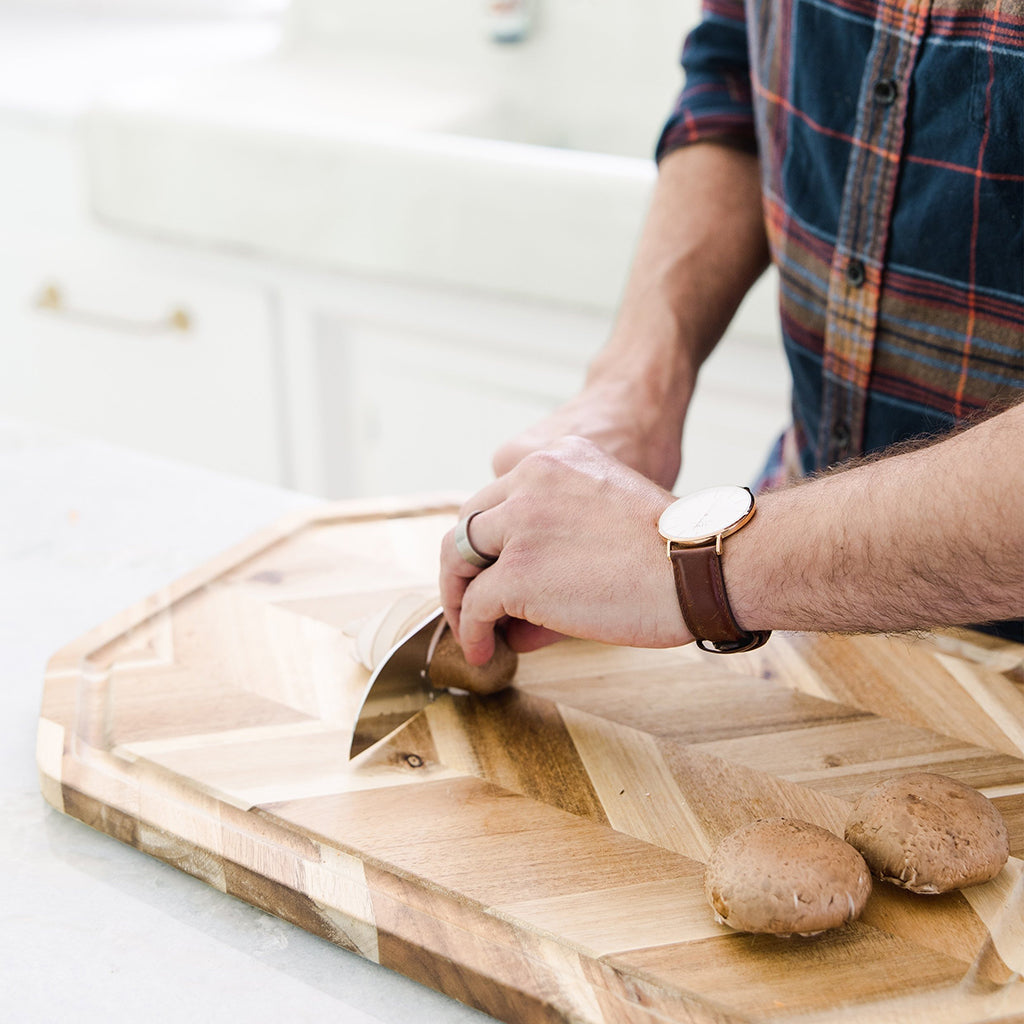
(650, 352)
(699, 529)
(648, 381)
(737, 571)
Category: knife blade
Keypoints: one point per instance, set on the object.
(400, 686)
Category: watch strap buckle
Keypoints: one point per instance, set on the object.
(750, 643)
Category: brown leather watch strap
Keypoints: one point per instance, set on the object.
(704, 604)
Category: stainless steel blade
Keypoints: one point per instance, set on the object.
(399, 687)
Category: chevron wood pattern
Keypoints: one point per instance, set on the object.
(537, 854)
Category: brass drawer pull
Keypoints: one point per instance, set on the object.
(51, 299)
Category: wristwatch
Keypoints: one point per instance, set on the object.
(694, 528)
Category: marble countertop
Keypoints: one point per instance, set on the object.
(90, 929)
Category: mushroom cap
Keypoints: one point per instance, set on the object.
(928, 833)
(449, 668)
(785, 876)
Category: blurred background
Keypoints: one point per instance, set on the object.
(341, 246)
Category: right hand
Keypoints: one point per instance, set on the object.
(630, 431)
(574, 537)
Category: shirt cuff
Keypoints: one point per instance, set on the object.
(715, 104)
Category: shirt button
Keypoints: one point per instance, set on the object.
(856, 274)
(886, 90)
(841, 439)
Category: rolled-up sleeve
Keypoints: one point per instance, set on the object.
(715, 103)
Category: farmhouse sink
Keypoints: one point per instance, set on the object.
(397, 139)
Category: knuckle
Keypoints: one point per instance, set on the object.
(516, 560)
(578, 443)
(568, 455)
(544, 462)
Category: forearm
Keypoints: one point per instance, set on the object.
(930, 537)
(702, 247)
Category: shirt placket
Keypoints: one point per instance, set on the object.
(857, 269)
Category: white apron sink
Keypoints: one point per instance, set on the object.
(397, 139)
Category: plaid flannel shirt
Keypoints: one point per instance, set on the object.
(891, 143)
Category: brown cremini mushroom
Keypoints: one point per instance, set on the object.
(449, 668)
(928, 833)
(786, 877)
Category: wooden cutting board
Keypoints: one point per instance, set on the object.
(538, 854)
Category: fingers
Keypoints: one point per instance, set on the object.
(484, 533)
(455, 572)
(486, 498)
(482, 608)
(476, 599)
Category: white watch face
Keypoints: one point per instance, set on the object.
(702, 516)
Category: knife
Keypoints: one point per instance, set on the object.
(400, 686)
(425, 663)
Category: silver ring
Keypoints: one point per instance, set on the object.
(465, 547)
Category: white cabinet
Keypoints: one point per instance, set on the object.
(117, 336)
(401, 388)
(408, 412)
(408, 389)
(114, 341)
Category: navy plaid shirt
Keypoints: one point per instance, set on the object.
(891, 138)
(891, 142)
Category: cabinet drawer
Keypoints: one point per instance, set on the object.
(426, 412)
(112, 343)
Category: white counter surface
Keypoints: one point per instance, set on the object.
(90, 929)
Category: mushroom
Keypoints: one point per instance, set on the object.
(928, 833)
(447, 666)
(449, 669)
(786, 877)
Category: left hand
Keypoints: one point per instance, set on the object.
(575, 533)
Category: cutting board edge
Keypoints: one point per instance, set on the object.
(505, 1001)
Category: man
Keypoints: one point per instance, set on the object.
(874, 151)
